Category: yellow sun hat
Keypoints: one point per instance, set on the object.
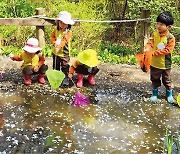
(88, 57)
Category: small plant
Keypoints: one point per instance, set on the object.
(171, 144)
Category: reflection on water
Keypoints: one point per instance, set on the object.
(39, 120)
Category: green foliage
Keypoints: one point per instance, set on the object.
(116, 49)
(47, 51)
(16, 8)
(106, 56)
(11, 49)
(120, 40)
(176, 60)
(74, 52)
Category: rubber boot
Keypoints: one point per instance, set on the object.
(66, 81)
(91, 79)
(80, 80)
(154, 96)
(41, 78)
(169, 96)
(27, 79)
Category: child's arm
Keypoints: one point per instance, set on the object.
(150, 43)
(168, 49)
(41, 60)
(40, 63)
(72, 69)
(65, 40)
(17, 57)
(53, 37)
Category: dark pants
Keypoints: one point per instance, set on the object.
(61, 63)
(28, 70)
(83, 69)
(157, 74)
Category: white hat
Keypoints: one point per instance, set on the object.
(32, 45)
(65, 17)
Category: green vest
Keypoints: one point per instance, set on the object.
(65, 51)
(161, 61)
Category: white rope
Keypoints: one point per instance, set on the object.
(112, 21)
(99, 21)
(175, 27)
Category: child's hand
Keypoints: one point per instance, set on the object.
(56, 50)
(147, 49)
(70, 76)
(36, 68)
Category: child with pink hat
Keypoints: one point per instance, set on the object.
(33, 61)
(60, 39)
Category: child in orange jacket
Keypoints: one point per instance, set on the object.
(33, 61)
(86, 64)
(60, 39)
(162, 43)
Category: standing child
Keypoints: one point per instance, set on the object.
(162, 43)
(33, 61)
(60, 39)
(86, 64)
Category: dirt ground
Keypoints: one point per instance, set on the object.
(111, 76)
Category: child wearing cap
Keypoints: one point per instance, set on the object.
(33, 61)
(60, 39)
(86, 64)
(162, 43)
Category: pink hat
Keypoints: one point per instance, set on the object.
(65, 17)
(32, 45)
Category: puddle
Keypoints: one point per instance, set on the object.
(39, 120)
(119, 118)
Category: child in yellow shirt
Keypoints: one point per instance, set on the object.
(33, 61)
(162, 43)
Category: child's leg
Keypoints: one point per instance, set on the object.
(92, 73)
(64, 61)
(81, 70)
(27, 72)
(56, 62)
(155, 75)
(65, 68)
(41, 73)
(166, 79)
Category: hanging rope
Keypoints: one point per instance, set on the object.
(101, 21)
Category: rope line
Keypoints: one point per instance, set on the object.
(112, 21)
(100, 21)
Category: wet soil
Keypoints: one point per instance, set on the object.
(123, 76)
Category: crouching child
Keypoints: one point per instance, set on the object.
(33, 61)
(86, 64)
